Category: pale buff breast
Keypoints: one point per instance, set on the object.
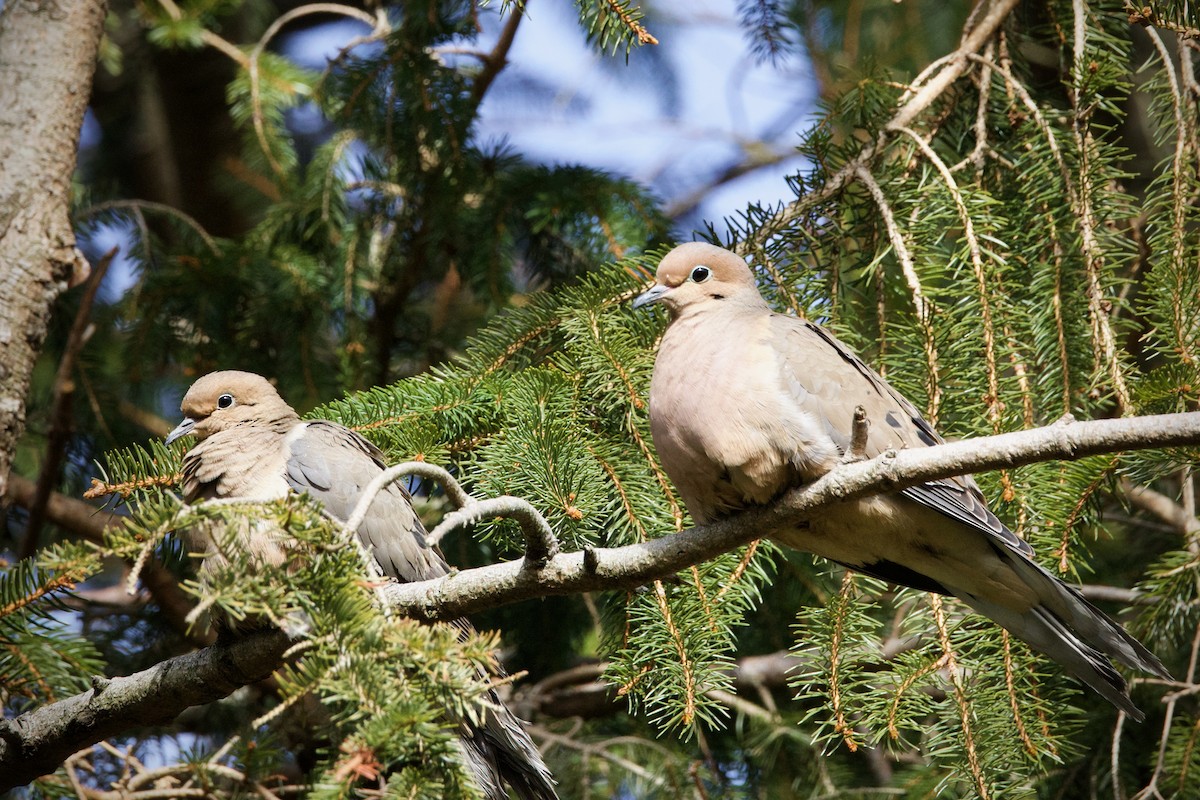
(241, 463)
(742, 439)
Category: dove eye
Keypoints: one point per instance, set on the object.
(700, 274)
(225, 401)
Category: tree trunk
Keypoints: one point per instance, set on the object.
(47, 58)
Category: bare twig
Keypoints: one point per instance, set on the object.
(580, 691)
(937, 78)
(1113, 594)
(140, 206)
(495, 61)
(540, 542)
(453, 488)
(251, 63)
(1161, 506)
(60, 408)
(1151, 788)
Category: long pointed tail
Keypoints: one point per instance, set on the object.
(500, 752)
(1073, 632)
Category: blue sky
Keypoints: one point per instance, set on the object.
(673, 116)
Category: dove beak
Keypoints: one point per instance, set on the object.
(182, 429)
(651, 295)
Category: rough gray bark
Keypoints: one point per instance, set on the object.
(34, 744)
(47, 58)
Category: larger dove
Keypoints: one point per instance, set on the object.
(746, 403)
(253, 445)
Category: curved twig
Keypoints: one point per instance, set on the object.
(540, 542)
(260, 46)
(149, 205)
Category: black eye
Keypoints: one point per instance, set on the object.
(225, 401)
(700, 274)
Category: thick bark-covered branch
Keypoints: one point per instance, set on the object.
(626, 567)
(35, 743)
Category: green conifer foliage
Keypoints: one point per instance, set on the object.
(978, 231)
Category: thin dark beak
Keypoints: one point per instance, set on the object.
(182, 429)
(651, 295)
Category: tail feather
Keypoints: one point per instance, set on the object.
(500, 752)
(1090, 623)
(1045, 632)
(1073, 632)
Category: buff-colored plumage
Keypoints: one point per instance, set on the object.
(746, 403)
(253, 445)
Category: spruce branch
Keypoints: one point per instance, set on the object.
(90, 523)
(251, 63)
(981, 278)
(630, 566)
(921, 303)
(36, 742)
(1081, 196)
(209, 38)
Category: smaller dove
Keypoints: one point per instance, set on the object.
(253, 445)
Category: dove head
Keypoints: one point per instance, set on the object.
(698, 275)
(222, 401)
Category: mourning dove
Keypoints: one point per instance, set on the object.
(746, 403)
(253, 445)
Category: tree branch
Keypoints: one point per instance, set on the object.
(495, 61)
(581, 691)
(626, 567)
(932, 83)
(36, 742)
(540, 541)
(1161, 506)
